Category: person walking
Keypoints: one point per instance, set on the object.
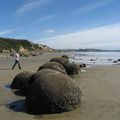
(17, 56)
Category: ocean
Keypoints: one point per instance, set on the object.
(96, 58)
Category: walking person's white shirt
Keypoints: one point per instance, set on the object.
(17, 56)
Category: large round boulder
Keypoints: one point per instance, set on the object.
(65, 56)
(72, 68)
(52, 92)
(62, 60)
(53, 65)
(21, 80)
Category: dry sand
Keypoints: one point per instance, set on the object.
(100, 87)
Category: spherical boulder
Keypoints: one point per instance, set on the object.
(52, 92)
(72, 68)
(65, 56)
(61, 60)
(21, 80)
(53, 65)
(118, 60)
(82, 65)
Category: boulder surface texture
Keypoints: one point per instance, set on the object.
(72, 68)
(53, 65)
(61, 60)
(52, 92)
(21, 80)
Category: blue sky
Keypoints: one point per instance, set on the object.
(63, 23)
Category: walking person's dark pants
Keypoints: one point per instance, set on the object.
(16, 62)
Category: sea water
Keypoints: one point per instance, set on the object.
(96, 58)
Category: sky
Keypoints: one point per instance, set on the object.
(63, 24)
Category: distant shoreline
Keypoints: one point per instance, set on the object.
(86, 50)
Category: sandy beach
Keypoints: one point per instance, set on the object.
(100, 86)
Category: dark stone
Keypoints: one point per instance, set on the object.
(92, 60)
(52, 92)
(65, 56)
(72, 68)
(55, 66)
(118, 60)
(82, 65)
(61, 60)
(21, 81)
(114, 61)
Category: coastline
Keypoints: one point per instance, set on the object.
(96, 58)
(99, 84)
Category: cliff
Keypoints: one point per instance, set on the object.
(10, 45)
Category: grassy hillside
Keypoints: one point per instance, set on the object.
(16, 44)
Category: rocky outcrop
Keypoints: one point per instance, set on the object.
(45, 48)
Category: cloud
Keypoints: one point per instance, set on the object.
(6, 32)
(32, 4)
(50, 31)
(101, 37)
(92, 6)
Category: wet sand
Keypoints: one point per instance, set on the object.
(100, 87)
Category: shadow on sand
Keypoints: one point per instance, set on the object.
(15, 91)
(7, 87)
(18, 106)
